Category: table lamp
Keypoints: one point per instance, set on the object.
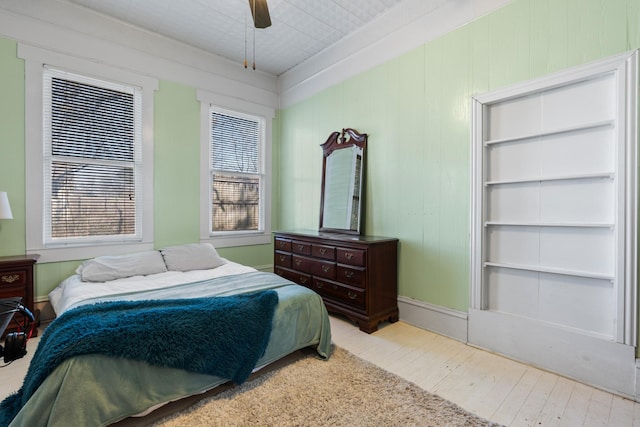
(5, 208)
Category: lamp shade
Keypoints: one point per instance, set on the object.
(5, 208)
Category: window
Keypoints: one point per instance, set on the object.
(92, 162)
(235, 172)
(89, 153)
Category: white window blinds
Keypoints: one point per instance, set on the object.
(236, 172)
(92, 153)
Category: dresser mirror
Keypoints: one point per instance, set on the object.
(341, 201)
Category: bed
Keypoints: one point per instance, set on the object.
(157, 305)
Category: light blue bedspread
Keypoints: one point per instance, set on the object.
(96, 390)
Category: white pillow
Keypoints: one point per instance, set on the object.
(104, 268)
(192, 256)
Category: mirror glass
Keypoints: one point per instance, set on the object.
(342, 182)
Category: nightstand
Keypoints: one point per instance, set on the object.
(17, 280)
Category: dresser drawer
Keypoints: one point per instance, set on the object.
(351, 276)
(347, 295)
(323, 251)
(282, 259)
(287, 274)
(303, 248)
(294, 276)
(326, 269)
(8, 291)
(282, 245)
(17, 277)
(351, 256)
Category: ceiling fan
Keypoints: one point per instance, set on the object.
(261, 19)
(260, 13)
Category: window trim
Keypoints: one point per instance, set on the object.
(209, 100)
(35, 61)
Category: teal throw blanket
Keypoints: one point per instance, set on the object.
(221, 336)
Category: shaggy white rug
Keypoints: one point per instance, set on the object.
(343, 391)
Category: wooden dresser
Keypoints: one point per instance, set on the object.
(17, 280)
(355, 275)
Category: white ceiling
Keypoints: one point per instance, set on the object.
(300, 28)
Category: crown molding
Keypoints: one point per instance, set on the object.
(407, 26)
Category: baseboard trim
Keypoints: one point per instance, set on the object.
(442, 320)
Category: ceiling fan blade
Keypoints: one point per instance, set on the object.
(260, 13)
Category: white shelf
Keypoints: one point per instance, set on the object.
(599, 175)
(588, 126)
(548, 224)
(559, 271)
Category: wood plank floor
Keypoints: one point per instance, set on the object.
(491, 386)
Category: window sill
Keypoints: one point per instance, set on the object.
(229, 240)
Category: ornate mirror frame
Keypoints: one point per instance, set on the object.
(342, 192)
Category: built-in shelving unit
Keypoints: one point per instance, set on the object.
(539, 186)
(550, 222)
(554, 228)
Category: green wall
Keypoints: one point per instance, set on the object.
(416, 110)
(12, 156)
(177, 149)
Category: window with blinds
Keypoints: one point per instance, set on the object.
(236, 172)
(92, 153)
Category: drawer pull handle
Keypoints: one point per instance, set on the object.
(298, 262)
(348, 274)
(281, 243)
(323, 251)
(303, 280)
(300, 247)
(282, 258)
(10, 279)
(319, 285)
(326, 268)
(352, 295)
(348, 255)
